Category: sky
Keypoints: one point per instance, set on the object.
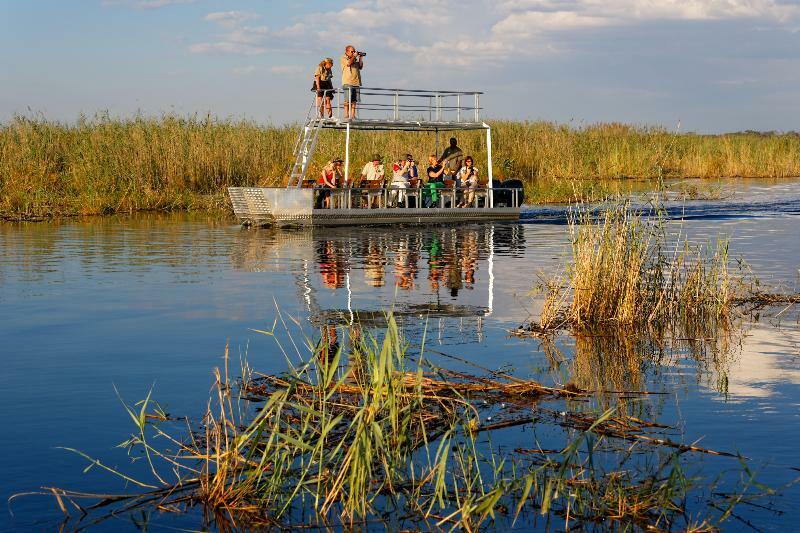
(688, 65)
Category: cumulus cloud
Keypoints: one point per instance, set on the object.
(227, 47)
(230, 19)
(286, 69)
(145, 4)
(245, 71)
(238, 38)
(530, 26)
(465, 32)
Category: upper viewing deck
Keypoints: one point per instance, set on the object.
(407, 109)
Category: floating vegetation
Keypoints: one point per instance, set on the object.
(370, 432)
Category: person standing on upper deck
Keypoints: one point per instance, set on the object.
(323, 86)
(352, 62)
(452, 159)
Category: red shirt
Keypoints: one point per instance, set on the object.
(331, 178)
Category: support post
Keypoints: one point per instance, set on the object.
(347, 154)
(489, 175)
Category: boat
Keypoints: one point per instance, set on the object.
(298, 203)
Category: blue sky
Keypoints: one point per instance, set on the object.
(710, 65)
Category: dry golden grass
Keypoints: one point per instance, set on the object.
(104, 165)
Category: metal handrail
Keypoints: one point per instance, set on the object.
(384, 191)
(465, 110)
(430, 92)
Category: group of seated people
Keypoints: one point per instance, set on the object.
(452, 169)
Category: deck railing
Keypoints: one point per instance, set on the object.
(401, 197)
(398, 105)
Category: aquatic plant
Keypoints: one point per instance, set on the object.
(625, 271)
(366, 432)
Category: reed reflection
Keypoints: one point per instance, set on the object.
(616, 361)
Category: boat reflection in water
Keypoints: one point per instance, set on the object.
(427, 276)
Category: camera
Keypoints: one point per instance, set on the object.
(361, 54)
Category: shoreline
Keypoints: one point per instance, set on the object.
(594, 190)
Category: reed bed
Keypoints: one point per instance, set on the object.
(103, 165)
(368, 434)
(625, 272)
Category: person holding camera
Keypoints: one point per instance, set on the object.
(403, 172)
(323, 86)
(352, 62)
(468, 178)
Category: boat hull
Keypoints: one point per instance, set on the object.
(282, 207)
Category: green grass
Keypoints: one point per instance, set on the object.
(103, 165)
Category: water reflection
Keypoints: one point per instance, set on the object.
(436, 279)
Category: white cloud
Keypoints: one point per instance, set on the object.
(286, 69)
(230, 19)
(227, 47)
(245, 71)
(238, 38)
(145, 4)
(527, 27)
(465, 32)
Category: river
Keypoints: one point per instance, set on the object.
(99, 310)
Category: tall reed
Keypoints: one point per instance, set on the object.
(102, 164)
(625, 271)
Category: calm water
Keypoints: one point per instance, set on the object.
(151, 301)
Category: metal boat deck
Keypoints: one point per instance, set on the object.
(282, 207)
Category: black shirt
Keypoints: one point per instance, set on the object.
(434, 170)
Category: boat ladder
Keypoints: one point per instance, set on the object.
(303, 150)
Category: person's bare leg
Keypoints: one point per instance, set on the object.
(320, 107)
(347, 110)
(353, 110)
(329, 107)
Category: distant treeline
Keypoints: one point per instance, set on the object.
(105, 165)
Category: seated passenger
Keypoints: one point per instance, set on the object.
(468, 178)
(330, 177)
(372, 172)
(403, 171)
(430, 197)
(399, 181)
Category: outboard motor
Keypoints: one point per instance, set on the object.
(502, 197)
(514, 184)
